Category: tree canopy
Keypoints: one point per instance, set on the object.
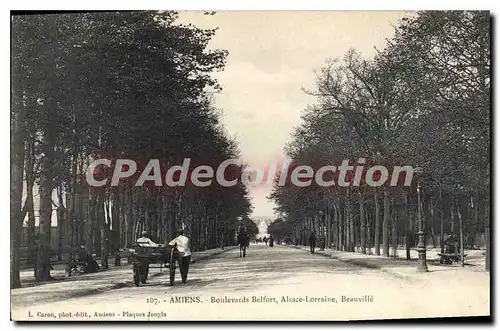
(422, 101)
(116, 85)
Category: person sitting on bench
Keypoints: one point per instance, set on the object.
(87, 260)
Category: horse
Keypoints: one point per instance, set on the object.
(243, 242)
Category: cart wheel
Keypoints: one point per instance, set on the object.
(137, 278)
(172, 274)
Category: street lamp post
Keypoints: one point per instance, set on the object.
(422, 262)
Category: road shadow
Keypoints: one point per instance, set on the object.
(391, 264)
(388, 263)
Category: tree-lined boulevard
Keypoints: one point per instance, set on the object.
(141, 86)
(108, 85)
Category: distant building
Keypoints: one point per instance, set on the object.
(262, 224)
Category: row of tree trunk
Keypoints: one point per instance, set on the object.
(361, 222)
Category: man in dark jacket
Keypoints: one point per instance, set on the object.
(312, 242)
(86, 258)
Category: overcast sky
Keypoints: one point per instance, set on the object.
(272, 55)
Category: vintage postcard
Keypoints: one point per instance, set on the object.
(250, 165)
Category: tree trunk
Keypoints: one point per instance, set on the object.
(487, 233)
(431, 221)
(16, 189)
(97, 236)
(368, 236)
(350, 221)
(452, 216)
(385, 225)
(329, 239)
(407, 228)
(476, 221)
(45, 191)
(31, 235)
(30, 207)
(101, 220)
(377, 223)
(123, 219)
(441, 214)
(130, 218)
(461, 235)
(394, 229)
(362, 223)
(61, 223)
(115, 218)
(340, 229)
(61, 227)
(71, 221)
(91, 242)
(46, 186)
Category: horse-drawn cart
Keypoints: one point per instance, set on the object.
(146, 257)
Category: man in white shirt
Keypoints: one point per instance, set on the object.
(144, 240)
(182, 244)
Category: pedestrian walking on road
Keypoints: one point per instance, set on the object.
(243, 239)
(312, 242)
(182, 243)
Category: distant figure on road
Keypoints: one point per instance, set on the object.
(265, 240)
(243, 239)
(182, 243)
(271, 241)
(312, 242)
